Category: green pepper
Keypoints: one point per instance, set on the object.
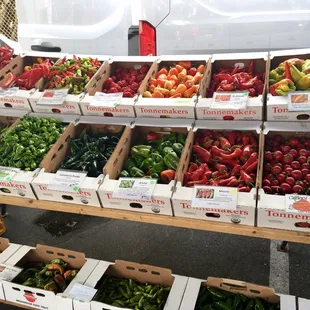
(146, 165)
(172, 161)
(163, 145)
(216, 294)
(178, 148)
(136, 172)
(181, 138)
(141, 150)
(222, 305)
(158, 163)
(51, 286)
(168, 150)
(236, 302)
(29, 282)
(129, 163)
(259, 304)
(250, 305)
(124, 174)
(155, 176)
(172, 137)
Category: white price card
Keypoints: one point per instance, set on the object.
(8, 273)
(299, 101)
(67, 181)
(215, 197)
(8, 92)
(53, 96)
(297, 203)
(132, 188)
(6, 174)
(230, 100)
(106, 100)
(82, 292)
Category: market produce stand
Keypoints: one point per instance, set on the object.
(235, 229)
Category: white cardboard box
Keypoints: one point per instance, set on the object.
(287, 302)
(277, 106)
(254, 111)
(161, 202)
(182, 196)
(271, 209)
(303, 304)
(169, 107)
(126, 107)
(87, 193)
(118, 269)
(39, 298)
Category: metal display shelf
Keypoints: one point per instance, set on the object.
(227, 228)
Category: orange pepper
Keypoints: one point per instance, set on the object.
(180, 89)
(176, 96)
(189, 77)
(201, 69)
(197, 77)
(153, 82)
(169, 85)
(185, 64)
(157, 94)
(172, 92)
(151, 88)
(147, 94)
(164, 91)
(190, 91)
(161, 71)
(173, 78)
(182, 77)
(179, 68)
(173, 71)
(189, 83)
(161, 83)
(162, 77)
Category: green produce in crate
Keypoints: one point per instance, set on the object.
(90, 153)
(25, 145)
(157, 160)
(214, 299)
(127, 293)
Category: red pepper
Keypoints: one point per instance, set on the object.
(230, 162)
(208, 174)
(249, 84)
(245, 140)
(235, 154)
(218, 152)
(186, 178)
(233, 183)
(236, 170)
(192, 167)
(213, 182)
(198, 174)
(252, 167)
(250, 161)
(246, 189)
(223, 176)
(224, 143)
(253, 141)
(247, 151)
(221, 168)
(207, 143)
(167, 175)
(200, 182)
(8, 80)
(231, 136)
(226, 181)
(153, 136)
(246, 178)
(215, 174)
(236, 146)
(250, 67)
(288, 71)
(202, 154)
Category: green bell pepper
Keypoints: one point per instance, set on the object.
(158, 163)
(141, 150)
(181, 138)
(163, 145)
(178, 148)
(172, 137)
(136, 172)
(146, 165)
(130, 163)
(172, 161)
(124, 174)
(168, 150)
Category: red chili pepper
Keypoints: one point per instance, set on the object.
(288, 71)
(253, 157)
(208, 174)
(250, 67)
(235, 154)
(233, 183)
(247, 151)
(153, 136)
(202, 154)
(223, 176)
(226, 181)
(224, 143)
(200, 182)
(245, 140)
(246, 189)
(246, 178)
(236, 170)
(249, 84)
(186, 178)
(218, 152)
(167, 175)
(230, 162)
(215, 174)
(198, 174)
(221, 168)
(236, 146)
(213, 182)
(207, 143)
(253, 141)
(192, 167)
(252, 167)
(231, 136)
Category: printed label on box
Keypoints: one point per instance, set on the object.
(82, 292)
(106, 100)
(215, 197)
(8, 273)
(8, 92)
(299, 102)
(132, 188)
(53, 97)
(67, 181)
(230, 100)
(6, 174)
(297, 203)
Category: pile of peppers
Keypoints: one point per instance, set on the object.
(90, 153)
(6, 55)
(54, 276)
(237, 79)
(292, 74)
(72, 73)
(223, 159)
(158, 158)
(210, 298)
(129, 294)
(31, 75)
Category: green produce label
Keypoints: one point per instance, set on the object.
(6, 174)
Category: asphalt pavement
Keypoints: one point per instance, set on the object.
(185, 251)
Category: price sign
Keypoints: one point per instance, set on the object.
(215, 197)
(299, 101)
(230, 100)
(8, 273)
(297, 203)
(132, 188)
(82, 292)
(8, 92)
(106, 100)
(67, 181)
(53, 96)
(6, 174)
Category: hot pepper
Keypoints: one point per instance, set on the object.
(235, 154)
(200, 182)
(252, 167)
(167, 175)
(198, 174)
(224, 143)
(186, 178)
(226, 181)
(283, 87)
(217, 151)
(192, 167)
(247, 151)
(221, 168)
(253, 157)
(236, 170)
(136, 172)
(202, 154)
(246, 178)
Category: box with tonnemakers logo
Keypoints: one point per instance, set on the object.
(254, 109)
(39, 298)
(182, 199)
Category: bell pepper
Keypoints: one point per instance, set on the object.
(151, 136)
(146, 164)
(296, 74)
(292, 61)
(158, 163)
(304, 82)
(51, 286)
(282, 88)
(154, 175)
(56, 267)
(306, 66)
(60, 281)
(136, 172)
(167, 175)
(141, 150)
(168, 150)
(178, 148)
(129, 163)
(164, 144)
(124, 174)
(275, 76)
(171, 161)
(172, 137)
(181, 139)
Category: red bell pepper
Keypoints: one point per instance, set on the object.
(246, 178)
(192, 167)
(153, 136)
(236, 170)
(167, 175)
(198, 174)
(202, 154)
(252, 167)
(199, 182)
(186, 178)
(224, 143)
(237, 153)
(253, 157)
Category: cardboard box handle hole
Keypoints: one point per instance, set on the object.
(40, 294)
(60, 147)
(135, 205)
(16, 289)
(120, 151)
(7, 72)
(67, 197)
(54, 156)
(5, 190)
(2, 77)
(50, 252)
(115, 162)
(8, 105)
(68, 137)
(210, 214)
(255, 292)
(156, 273)
(61, 254)
(14, 66)
(71, 256)
(143, 270)
(303, 117)
(130, 268)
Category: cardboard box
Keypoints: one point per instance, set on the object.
(140, 273)
(87, 193)
(20, 183)
(303, 304)
(161, 202)
(182, 196)
(71, 104)
(126, 107)
(169, 107)
(277, 106)
(254, 111)
(272, 208)
(39, 298)
(237, 287)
